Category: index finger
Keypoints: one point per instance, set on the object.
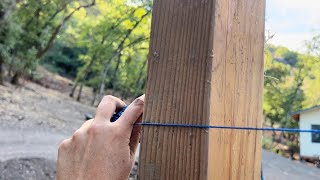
(107, 107)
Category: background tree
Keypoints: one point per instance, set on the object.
(8, 33)
(40, 23)
(291, 82)
(117, 44)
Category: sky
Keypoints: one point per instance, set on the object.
(293, 22)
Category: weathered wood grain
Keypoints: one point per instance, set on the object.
(205, 67)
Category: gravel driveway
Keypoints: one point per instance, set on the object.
(276, 167)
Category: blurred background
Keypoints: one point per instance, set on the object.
(59, 57)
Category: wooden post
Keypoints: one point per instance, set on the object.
(205, 67)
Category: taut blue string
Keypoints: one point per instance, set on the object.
(227, 127)
(118, 114)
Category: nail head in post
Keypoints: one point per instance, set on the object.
(156, 56)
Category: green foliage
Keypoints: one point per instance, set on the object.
(266, 142)
(116, 34)
(8, 30)
(314, 46)
(30, 27)
(286, 56)
(290, 84)
(63, 59)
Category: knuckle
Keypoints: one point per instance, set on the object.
(138, 102)
(108, 98)
(64, 145)
(93, 130)
(77, 135)
(113, 129)
(117, 133)
(106, 101)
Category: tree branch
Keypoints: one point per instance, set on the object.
(41, 52)
(117, 52)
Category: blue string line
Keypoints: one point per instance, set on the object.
(228, 127)
(119, 113)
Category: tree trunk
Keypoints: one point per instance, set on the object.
(74, 87)
(114, 77)
(102, 82)
(95, 92)
(116, 53)
(15, 78)
(273, 133)
(80, 92)
(299, 82)
(1, 71)
(85, 77)
(10, 68)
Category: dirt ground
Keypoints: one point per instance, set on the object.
(33, 120)
(39, 107)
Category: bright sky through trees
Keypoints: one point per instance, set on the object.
(293, 21)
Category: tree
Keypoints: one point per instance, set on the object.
(313, 46)
(112, 39)
(282, 87)
(312, 82)
(63, 59)
(7, 35)
(40, 29)
(291, 83)
(284, 55)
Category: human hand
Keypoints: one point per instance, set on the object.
(101, 149)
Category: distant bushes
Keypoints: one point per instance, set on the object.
(63, 60)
